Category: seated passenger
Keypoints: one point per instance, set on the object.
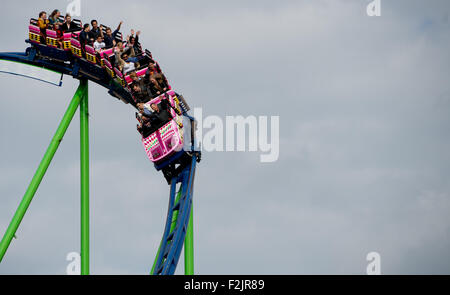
(134, 42)
(162, 81)
(84, 35)
(129, 50)
(54, 17)
(59, 34)
(128, 64)
(158, 84)
(68, 25)
(43, 23)
(95, 31)
(124, 64)
(145, 127)
(143, 110)
(151, 120)
(155, 88)
(99, 44)
(110, 38)
(161, 112)
(134, 77)
(151, 70)
(140, 92)
(123, 49)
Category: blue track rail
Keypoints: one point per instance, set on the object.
(172, 241)
(57, 61)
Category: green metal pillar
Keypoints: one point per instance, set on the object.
(189, 247)
(42, 169)
(84, 169)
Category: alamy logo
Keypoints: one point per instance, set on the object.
(374, 266)
(374, 8)
(74, 8)
(74, 267)
(241, 134)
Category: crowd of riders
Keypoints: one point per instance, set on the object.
(127, 57)
(89, 35)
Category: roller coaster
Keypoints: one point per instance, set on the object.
(170, 144)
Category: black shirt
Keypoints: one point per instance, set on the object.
(109, 40)
(73, 27)
(84, 38)
(94, 33)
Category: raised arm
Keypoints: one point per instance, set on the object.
(120, 25)
(137, 37)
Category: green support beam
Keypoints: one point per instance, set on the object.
(42, 169)
(189, 247)
(84, 175)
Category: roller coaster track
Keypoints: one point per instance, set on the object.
(177, 221)
(179, 216)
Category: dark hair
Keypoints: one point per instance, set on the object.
(68, 14)
(94, 21)
(85, 26)
(42, 13)
(54, 13)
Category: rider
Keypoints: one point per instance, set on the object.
(54, 17)
(43, 23)
(84, 35)
(140, 92)
(95, 31)
(68, 24)
(99, 44)
(110, 38)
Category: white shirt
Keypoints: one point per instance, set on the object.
(128, 67)
(99, 45)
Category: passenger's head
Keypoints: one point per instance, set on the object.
(68, 18)
(140, 106)
(94, 23)
(133, 76)
(136, 87)
(43, 15)
(125, 56)
(109, 31)
(132, 40)
(55, 14)
(99, 39)
(86, 28)
(145, 119)
(154, 107)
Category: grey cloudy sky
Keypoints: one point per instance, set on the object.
(364, 106)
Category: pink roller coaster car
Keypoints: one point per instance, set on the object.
(168, 139)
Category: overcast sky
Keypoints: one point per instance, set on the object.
(364, 164)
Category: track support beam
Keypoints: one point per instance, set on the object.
(189, 246)
(84, 179)
(42, 169)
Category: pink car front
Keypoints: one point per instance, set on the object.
(168, 139)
